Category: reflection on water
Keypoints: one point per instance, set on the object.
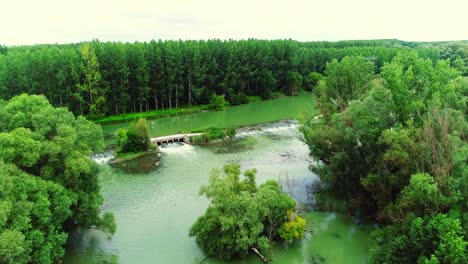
(143, 164)
(155, 210)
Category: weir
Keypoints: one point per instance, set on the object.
(174, 138)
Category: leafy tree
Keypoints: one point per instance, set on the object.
(294, 82)
(312, 79)
(217, 102)
(437, 239)
(242, 216)
(396, 151)
(49, 182)
(348, 79)
(134, 138)
(92, 80)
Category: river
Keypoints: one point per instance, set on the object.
(237, 116)
(155, 205)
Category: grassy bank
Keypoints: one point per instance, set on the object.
(151, 114)
(119, 157)
(212, 133)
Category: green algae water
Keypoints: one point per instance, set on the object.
(155, 208)
(236, 116)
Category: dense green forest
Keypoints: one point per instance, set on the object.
(104, 78)
(396, 147)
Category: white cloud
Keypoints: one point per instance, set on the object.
(62, 21)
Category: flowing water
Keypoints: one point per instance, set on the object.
(155, 208)
(236, 116)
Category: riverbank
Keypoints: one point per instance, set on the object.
(154, 114)
(121, 157)
(185, 110)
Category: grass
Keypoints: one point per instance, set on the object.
(129, 155)
(213, 133)
(151, 114)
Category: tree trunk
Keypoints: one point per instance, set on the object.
(116, 106)
(170, 103)
(259, 254)
(155, 103)
(176, 97)
(189, 92)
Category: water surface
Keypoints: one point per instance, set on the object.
(154, 211)
(242, 115)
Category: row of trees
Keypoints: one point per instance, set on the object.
(396, 146)
(49, 183)
(96, 78)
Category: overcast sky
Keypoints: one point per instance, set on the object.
(64, 21)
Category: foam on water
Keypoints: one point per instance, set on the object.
(177, 148)
(269, 128)
(102, 158)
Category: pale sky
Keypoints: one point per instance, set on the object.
(65, 21)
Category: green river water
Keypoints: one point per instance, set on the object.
(155, 201)
(236, 116)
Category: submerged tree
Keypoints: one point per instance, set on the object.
(243, 217)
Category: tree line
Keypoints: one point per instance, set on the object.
(395, 145)
(104, 78)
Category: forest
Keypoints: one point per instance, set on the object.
(105, 78)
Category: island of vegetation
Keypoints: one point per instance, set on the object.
(243, 217)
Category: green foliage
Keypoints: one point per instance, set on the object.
(134, 138)
(437, 239)
(312, 79)
(348, 79)
(213, 133)
(32, 212)
(49, 182)
(293, 229)
(397, 147)
(242, 216)
(294, 82)
(112, 78)
(217, 102)
(151, 114)
(92, 81)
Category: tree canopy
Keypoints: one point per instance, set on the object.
(49, 182)
(135, 138)
(242, 216)
(397, 147)
(103, 78)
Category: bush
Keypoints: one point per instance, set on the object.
(238, 99)
(134, 138)
(217, 102)
(213, 133)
